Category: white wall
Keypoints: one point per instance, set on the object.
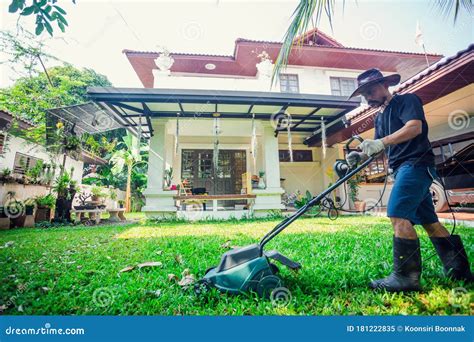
(312, 80)
(20, 145)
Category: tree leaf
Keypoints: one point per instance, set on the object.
(39, 28)
(28, 10)
(59, 9)
(127, 269)
(150, 264)
(49, 28)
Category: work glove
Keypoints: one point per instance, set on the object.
(372, 147)
(355, 158)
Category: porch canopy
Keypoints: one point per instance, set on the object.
(134, 108)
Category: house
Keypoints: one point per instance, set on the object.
(193, 107)
(18, 155)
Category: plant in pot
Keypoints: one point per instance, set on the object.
(5, 175)
(65, 187)
(354, 186)
(29, 212)
(97, 193)
(44, 205)
(261, 182)
(121, 203)
(301, 201)
(168, 177)
(113, 197)
(15, 210)
(4, 219)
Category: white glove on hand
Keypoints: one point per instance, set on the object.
(372, 147)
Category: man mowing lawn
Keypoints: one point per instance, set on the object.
(401, 130)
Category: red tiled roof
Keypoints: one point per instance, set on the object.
(329, 54)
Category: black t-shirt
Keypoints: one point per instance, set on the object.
(400, 110)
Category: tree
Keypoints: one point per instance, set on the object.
(128, 156)
(46, 11)
(310, 12)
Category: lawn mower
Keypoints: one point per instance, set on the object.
(250, 268)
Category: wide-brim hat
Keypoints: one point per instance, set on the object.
(372, 76)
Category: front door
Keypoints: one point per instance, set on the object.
(198, 168)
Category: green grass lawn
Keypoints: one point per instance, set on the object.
(76, 270)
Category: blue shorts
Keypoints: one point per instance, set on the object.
(411, 197)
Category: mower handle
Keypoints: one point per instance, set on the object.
(355, 137)
(315, 200)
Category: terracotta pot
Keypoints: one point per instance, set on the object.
(43, 214)
(17, 222)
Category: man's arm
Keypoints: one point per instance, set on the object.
(409, 131)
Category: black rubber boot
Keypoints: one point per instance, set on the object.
(406, 268)
(453, 256)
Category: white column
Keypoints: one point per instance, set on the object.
(158, 201)
(270, 197)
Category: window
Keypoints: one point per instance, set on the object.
(289, 83)
(298, 155)
(23, 162)
(342, 86)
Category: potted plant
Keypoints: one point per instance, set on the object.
(4, 219)
(44, 205)
(121, 203)
(82, 199)
(168, 177)
(301, 201)
(5, 175)
(261, 182)
(97, 193)
(113, 197)
(354, 186)
(29, 213)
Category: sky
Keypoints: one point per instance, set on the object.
(99, 30)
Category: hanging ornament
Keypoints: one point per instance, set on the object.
(139, 140)
(323, 137)
(290, 143)
(176, 136)
(253, 144)
(215, 155)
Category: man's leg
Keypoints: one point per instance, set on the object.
(450, 250)
(406, 260)
(403, 228)
(449, 247)
(404, 199)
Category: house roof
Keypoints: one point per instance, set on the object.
(444, 77)
(6, 118)
(134, 107)
(322, 51)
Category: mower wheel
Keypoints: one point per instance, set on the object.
(267, 284)
(202, 287)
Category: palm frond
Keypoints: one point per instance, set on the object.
(447, 7)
